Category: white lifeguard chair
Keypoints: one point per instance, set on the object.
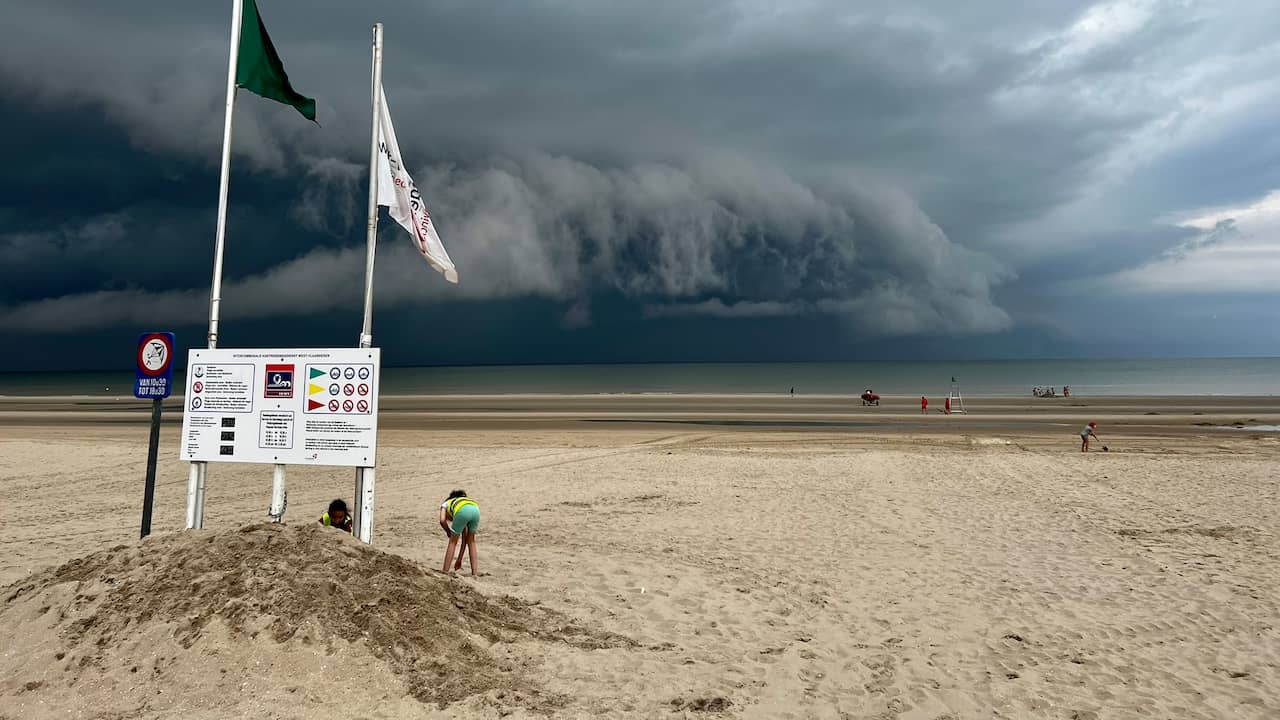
(954, 396)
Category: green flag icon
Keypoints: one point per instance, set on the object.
(259, 69)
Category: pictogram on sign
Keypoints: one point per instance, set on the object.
(278, 382)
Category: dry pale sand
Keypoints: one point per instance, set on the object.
(663, 557)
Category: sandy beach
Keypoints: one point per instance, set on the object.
(662, 556)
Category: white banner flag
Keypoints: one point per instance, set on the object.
(400, 196)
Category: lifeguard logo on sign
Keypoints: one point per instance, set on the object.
(279, 381)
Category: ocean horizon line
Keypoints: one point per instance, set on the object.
(1241, 376)
(642, 363)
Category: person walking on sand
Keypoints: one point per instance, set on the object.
(460, 518)
(924, 405)
(1087, 433)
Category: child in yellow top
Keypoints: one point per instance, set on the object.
(460, 519)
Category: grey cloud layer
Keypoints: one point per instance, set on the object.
(719, 238)
(984, 112)
(899, 163)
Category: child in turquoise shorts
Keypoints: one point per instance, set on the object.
(460, 518)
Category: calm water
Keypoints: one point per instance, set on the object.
(1198, 376)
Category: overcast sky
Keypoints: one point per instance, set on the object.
(668, 180)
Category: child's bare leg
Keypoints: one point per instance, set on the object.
(448, 552)
(470, 540)
(462, 550)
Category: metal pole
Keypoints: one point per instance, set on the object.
(364, 485)
(204, 475)
(364, 502)
(277, 495)
(357, 493)
(149, 490)
(195, 480)
(215, 295)
(199, 470)
(371, 234)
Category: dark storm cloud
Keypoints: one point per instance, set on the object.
(811, 84)
(902, 168)
(554, 227)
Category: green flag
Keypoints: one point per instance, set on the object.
(259, 69)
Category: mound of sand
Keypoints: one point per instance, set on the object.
(262, 619)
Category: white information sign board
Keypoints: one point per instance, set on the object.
(288, 407)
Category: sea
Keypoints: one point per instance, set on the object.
(1098, 377)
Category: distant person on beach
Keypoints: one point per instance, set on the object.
(460, 518)
(1087, 433)
(337, 517)
(924, 405)
(793, 392)
(946, 406)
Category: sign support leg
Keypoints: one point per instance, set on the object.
(204, 474)
(278, 495)
(356, 504)
(195, 495)
(149, 491)
(365, 482)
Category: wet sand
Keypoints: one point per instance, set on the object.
(1131, 414)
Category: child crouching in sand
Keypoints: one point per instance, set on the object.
(460, 518)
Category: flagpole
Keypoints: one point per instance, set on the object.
(364, 488)
(371, 237)
(199, 470)
(215, 295)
